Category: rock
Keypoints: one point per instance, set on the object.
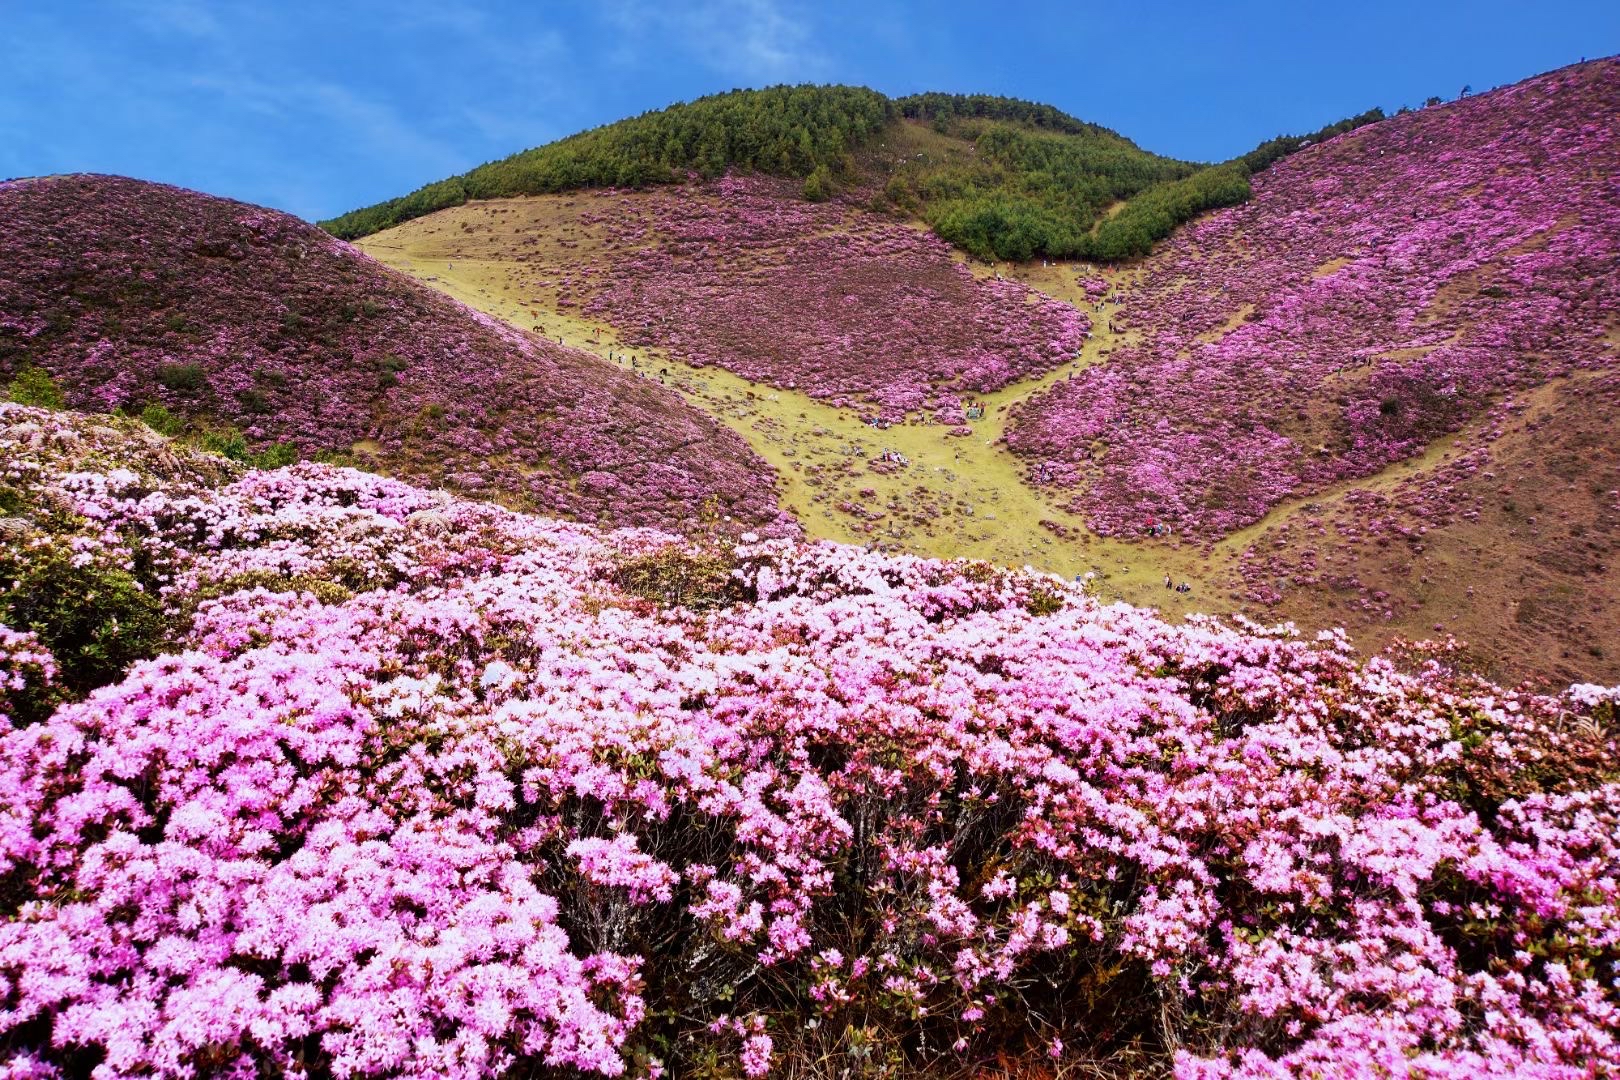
(429, 521)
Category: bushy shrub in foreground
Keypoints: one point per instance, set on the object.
(480, 811)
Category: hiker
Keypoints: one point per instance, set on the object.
(1168, 584)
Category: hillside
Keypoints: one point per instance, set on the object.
(1397, 305)
(1432, 275)
(223, 318)
(325, 775)
(995, 176)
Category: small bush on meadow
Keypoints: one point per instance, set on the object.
(162, 421)
(818, 186)
(34, 386)
(253, 401)
(181, 378)
(230, 443)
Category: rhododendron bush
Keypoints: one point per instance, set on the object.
(1379, 291)
(134, 294)
(417, 789)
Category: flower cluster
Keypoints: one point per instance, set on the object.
(132, 293)
(421, 791)
(1380, 290)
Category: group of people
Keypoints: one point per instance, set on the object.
(1182, 588)
(1154, 527)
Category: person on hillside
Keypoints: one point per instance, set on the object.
(1168, 584)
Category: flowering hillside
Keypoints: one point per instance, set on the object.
(844, 305)
(398, 784)
(1381, 290)
(133, 294)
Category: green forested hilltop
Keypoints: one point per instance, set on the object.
(997, 177)
(783, 130)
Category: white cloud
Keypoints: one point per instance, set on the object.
(753, 40)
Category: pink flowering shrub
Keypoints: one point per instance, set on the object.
(474, 810)
(819, 297)
(132, 294)
(1380, 290)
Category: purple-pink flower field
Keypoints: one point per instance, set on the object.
(424, 787)
(1380, 290)
(843, 305)
(132, 294)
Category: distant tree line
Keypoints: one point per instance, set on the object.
(1274, 150)
(941, 109)
(1155, 213)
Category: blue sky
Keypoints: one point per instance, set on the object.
(319, 107)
